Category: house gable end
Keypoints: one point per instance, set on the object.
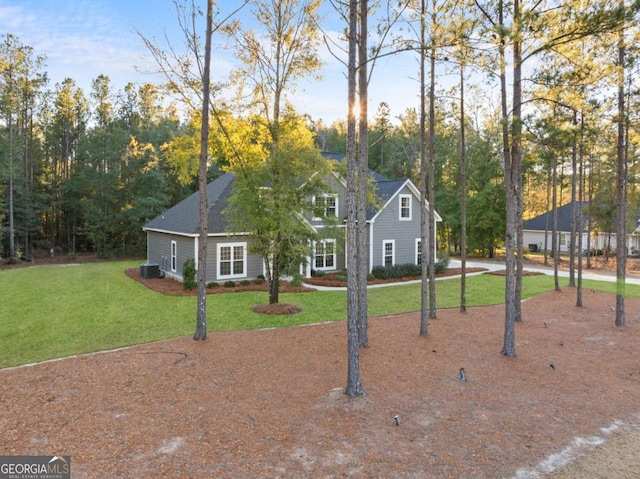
(390, 191)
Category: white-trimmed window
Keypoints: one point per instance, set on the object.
(388, 252)
(563, 239)
(328, 204)
(232, 260)
(174, 256)
(405, 207)
(325, 254)
(418, 251)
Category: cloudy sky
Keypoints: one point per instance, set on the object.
(85, 38)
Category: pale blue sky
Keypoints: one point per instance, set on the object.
(85, 38)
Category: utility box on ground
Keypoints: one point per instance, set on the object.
(150, 270)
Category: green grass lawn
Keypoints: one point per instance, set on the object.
(55, 311)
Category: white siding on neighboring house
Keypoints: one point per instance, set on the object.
(537, 238)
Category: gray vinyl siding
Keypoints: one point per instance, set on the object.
(335, 188)
(388, 226)
(155, 247)
(159, 250)
(254, 265)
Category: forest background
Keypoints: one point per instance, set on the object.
(83, 170)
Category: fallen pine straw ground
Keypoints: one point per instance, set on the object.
(270, 403)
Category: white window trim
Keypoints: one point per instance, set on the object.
(335, 197)
(407, 218)
(174, 256)
(219, 246)
(563, 239)
(393, 251)
(335, 256)
(418, 253)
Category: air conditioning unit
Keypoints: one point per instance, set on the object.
(150, 270)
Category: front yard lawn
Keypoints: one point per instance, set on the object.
(56, 311)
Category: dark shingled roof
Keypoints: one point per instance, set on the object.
(544, 222)
(385, 189)
(183, 217)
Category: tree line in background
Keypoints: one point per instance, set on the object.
(83, 171)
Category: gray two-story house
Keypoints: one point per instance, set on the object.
(393, 226)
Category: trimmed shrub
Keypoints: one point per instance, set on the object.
(258, 280)
(213, 285)
(396, 271)
(380, 272)
(229, 284)
(189, 273)
(245, 282)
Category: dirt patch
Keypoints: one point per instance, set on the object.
(270, 403)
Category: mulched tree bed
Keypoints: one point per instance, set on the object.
(271, 403)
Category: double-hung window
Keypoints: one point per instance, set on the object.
(418, 251)
(563, 239)
(388, 253)
(405, 207)
(327, 204)
(232, 260)
(325, 254)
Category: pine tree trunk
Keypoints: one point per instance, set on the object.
(512, 179)
(12, 244)
(354, 386)
(580, 225)
(432, 185)
(363, 174)
(574, 179)
(463, 198)
(621, 187)
(555, 241)
(201, 327)
(424, 239)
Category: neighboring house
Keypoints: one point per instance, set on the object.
(534, 231)
(393, 227)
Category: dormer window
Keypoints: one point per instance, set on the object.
(328, 204)
(405, 207)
